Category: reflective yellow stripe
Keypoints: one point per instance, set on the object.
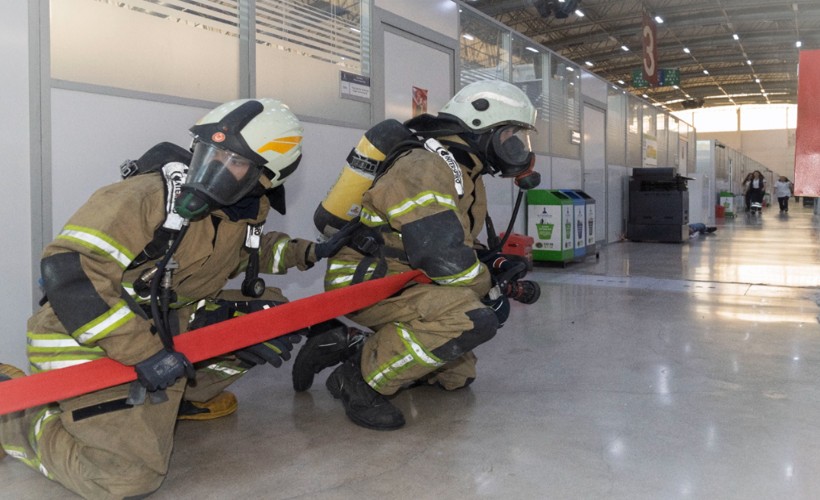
(98, 242)
(415, 354)
(423, 199)
(278, 266)
(461, 278)
(104, 324)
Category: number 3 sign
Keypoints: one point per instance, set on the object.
(650, 50)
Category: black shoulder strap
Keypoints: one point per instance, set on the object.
(154, 159)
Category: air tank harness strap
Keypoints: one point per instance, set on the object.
(369, 242)
(253, 285)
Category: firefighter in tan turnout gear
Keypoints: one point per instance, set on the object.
(424, 211)
(192, 222)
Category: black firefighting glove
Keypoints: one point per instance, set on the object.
(504, 269)
(163, 369)
(273, 351)
(335, 243)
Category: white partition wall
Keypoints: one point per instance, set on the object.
(17, 187)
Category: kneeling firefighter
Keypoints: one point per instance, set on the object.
(140, 261)
(424, 210)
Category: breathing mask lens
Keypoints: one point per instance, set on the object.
(221, 175)
(511, 150)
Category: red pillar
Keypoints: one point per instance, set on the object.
(807, 135)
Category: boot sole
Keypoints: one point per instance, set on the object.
(373, 427)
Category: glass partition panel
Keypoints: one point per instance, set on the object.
(174, 47)
(564, 99)
(484, 50)
(530, 63)
(673, 141)
(616, 127)
(663, 159)
(328, 42)
(634, 143)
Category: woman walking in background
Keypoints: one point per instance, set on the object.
(783, 190)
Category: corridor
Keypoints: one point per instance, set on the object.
(658, 371)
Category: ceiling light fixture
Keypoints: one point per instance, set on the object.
(734, 35)
(624, 48)
(749, 62)
(757, 80)
(798, 44)
(532, 49)
(589, 63)
(579, 13)
(659, 19)
(686, 49)
(622, 82)
(706, 72)
(468, 36)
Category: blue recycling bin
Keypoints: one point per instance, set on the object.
(579, 232)
(589, 210)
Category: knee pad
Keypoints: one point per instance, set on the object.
(485, 324)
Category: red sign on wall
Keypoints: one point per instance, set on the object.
(650, 50)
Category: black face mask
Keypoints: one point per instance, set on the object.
(508, 151)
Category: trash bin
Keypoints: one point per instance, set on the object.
(727, 201)
(589, 217)
(579, 233)
(549, 222)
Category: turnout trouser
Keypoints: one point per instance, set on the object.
(426, 332)
(96, 445)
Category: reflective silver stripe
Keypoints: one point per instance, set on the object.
(370, 218)
(103, 325)
(340, 280)
(227, 370)
(63, 341)
(90, 239)
(278, 256)
(38, 426)
(389, 372)
(457, 279)
(53, 365)
(422, 199)
(416, 352)
(336, 266)
(419, 351)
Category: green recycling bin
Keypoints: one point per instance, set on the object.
(727, 201)
(549, 221)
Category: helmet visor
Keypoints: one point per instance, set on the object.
(512, 150)
(222, 175)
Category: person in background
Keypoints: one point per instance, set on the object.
(755, 188)
(199, 213)
(783, 190)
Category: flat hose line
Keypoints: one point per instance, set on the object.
(203, 343)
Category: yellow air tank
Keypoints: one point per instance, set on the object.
(344, 200)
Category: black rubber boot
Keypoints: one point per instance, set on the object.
(328, 344)
(363, 405)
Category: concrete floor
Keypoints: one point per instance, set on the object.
(659, 371)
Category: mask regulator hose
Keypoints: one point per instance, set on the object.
(162, 291)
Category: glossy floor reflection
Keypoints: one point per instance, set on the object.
(659, 371)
